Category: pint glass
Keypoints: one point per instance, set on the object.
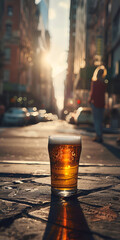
(64, 153)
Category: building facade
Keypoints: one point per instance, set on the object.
(44, 86)
(112, 49)
(68, 94)
(18, 43)
(94, 46)
(88, 48)
(80, 53)
(76, 53)
(25, 76)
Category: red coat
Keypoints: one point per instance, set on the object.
(97, 93)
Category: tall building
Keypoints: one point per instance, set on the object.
(18, 39)
(94, 47)
(68, 92)
(1, 49)
(87, 51)
(95, 32)
(112, 48)
(45, 84)
(80, 53)
(25, 75)
(77, 51)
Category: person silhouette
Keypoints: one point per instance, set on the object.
(97, 100)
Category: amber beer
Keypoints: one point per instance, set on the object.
(64, 152)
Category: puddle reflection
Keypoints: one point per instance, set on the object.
(66, 221)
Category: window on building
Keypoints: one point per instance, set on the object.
(10, 11)
(116, 26)
(73, 34)
(117, 67)
(8, 30)
(108, 37)
(74, 16)
(7, 54)
(82, 3)
(6, 76)
(108, 8)
(75, 6)
(109, 60)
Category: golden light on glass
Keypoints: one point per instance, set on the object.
(64, 160)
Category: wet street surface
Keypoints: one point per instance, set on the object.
(28, 211)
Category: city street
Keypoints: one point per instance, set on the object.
(60, 76)
(28, 211)
(29, 143)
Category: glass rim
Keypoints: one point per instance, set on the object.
(64, 139)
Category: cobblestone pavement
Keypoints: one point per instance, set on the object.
(29, 211)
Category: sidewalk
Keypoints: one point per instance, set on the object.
(109, 130)
(29, 212)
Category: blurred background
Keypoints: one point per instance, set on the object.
(48, 52)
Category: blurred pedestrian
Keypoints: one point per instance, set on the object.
(97, 100)
(2, 110)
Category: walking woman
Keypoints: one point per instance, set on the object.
(97, 100)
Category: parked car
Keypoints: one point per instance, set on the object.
(70, 118)
(42, 115)
(54, 117)
(16, 116)
(84, 115)
(33, 115)
(51, 117)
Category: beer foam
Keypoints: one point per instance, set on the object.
(69, 139)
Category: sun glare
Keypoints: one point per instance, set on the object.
(46, 59)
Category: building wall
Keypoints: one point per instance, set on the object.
(87, 48)
(80, 37)
(80, 51)
(95, 32)
(9, 42)
(44, 83)
(18, 38)
(102, 47)
(68, 94)
(112, 49)
(116, 36)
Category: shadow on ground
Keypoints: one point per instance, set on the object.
(68, 221)
(114, 150)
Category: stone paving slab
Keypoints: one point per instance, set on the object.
(24, 228)
(33, 169)
(100, 222)
(28, 211)
(40, 168)
(11, 209)
(102, 211)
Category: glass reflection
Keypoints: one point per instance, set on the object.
(66, 221)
